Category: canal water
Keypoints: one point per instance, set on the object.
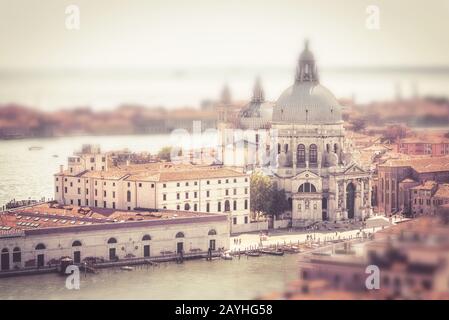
(26, 173)
(245, 278)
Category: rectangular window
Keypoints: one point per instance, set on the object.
(65, 189)
(57, 189)
(96, 192)
(164, 197)
(246, 219)
(187, 195)
(87, 191)
(195, 194)
(140, 185)
(96, 203)
(208, 193)
(178, 196)
(104, 204)
(113, 205)
(164, 185)
(79, 202)
(79, 190)
(113, 194)
(87, 202)
(71, 201)
(234, 220)
(235, 192)
(104, 193)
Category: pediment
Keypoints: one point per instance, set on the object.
(354, 168)
(306, 175)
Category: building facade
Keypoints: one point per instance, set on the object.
(41, 235)
(397, 177)
(210, 189)
(300, 142)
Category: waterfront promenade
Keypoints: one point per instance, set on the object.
(283, 236)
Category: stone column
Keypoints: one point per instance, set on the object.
(294, 146)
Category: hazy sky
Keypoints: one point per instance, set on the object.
(139, 33)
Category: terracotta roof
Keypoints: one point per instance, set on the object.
(422, 164)
(427, 185)
(161, 171)
(47, 215)
(443, 191)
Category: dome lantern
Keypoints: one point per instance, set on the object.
(306, 70)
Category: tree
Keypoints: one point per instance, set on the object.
(265, 197)
(278, 203)
(260, 187)
(358, 124)
(164, 153)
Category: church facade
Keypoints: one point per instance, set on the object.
(299, 141)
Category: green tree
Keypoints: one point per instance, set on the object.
(266, 199)
(260, 187)
(278, 203)
(164, 153)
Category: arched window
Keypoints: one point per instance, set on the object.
(227, 206)
(212, 232)
(16, 255)
(112, 240)
(187, 207)
(313, 153)
(307, 187)
(5, 250)
(40, 246)
(76, 243)
(146, 237)
(301, 154)
(128, 196)
(179, 235)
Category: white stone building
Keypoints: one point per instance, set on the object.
(38, 235)
(162, 185)
(300, 142)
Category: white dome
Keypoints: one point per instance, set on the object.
(307, 102)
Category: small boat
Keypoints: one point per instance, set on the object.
(127, 268)
(252, 253)
(226, 256)
(291, 250)
(32, 148)
(273, 252)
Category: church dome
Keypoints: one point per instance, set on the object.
(307, 101)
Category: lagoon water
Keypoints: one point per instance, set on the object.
(29, 174)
